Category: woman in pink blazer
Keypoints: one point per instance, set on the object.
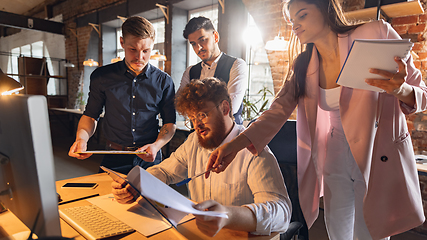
(353, 145)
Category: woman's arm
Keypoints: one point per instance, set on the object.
(224, 155)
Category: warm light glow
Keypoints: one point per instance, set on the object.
(90, 63)
(8, 85)
(278, 44)
(157, 56)
(117, 59)
(252, 36)
(16, 90)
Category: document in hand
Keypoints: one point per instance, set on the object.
(371, 53)
(171, 206)
(154, 189)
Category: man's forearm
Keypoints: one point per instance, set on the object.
(86, 128)
(165, 135)
(241, 218)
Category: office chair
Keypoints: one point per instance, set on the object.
(292, 231)
(284, 147)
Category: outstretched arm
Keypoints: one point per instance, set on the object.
(224, 155)
(85, 130)
(165, 135)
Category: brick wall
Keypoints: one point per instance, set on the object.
(423, 185)
(414, 27)
(72, 9)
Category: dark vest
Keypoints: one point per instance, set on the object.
(222, 72)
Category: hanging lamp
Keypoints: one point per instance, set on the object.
(117, 59)
(278, 44)
(90, 63)
(8, 85)
(68, 64)
(157, 56)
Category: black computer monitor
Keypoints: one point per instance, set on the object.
(27, 177)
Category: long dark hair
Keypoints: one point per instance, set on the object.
(333, 15)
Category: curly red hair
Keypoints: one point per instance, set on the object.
(194, 96)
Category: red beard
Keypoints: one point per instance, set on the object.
(217, 134)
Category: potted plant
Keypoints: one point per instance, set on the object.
(80, 101)
(253, 108)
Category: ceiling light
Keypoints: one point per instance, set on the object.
(278, 44)
(90, 63)
(117, 59)
(68, 64)
(157, 56)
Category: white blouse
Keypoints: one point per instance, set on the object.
(329, 99)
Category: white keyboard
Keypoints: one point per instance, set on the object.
(93, 223)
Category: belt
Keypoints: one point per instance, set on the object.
(116, 146)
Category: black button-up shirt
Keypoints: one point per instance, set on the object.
(131, 103)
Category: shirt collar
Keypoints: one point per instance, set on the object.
(233, 133)
(213, 63)
(126, 69)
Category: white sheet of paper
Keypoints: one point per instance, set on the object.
(154, 189)
(371, 53)
(140, 215)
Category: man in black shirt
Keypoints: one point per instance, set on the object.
(133, 93)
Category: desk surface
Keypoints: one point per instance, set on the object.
(68, 110)
(422, 167)
(187, 230)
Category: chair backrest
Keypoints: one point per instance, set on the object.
(284, 144)
(284, 147)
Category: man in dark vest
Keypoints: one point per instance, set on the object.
(204, 39)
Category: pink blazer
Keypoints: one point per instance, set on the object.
(376, 130)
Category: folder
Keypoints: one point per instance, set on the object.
(371, 53)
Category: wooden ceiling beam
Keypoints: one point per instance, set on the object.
(19, 21)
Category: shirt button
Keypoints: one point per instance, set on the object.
(133, 130)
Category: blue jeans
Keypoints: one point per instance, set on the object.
(123, 163)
